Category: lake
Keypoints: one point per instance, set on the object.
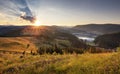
(86, 38)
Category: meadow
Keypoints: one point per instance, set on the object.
(16, 44)
(59, 37)
(14, 61)
(103, 63)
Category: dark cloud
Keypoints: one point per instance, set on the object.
(29, 18)
(16, 8)
(27, 15)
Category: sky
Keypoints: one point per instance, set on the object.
(60, 12)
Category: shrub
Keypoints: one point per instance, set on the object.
(118, 49)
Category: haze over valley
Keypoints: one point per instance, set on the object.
(59, 37)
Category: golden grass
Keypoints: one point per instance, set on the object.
(104, 63)
(16, 44)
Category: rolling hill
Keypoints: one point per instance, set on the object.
(39, 37)
(17, 44)
(98, 28)
(109, 41)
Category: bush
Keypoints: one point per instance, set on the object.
(118, 49)
(52, 50)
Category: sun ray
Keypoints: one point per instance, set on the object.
(37, 23)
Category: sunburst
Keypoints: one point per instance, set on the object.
(37, 23)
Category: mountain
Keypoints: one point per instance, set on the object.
(43, 36)
(11, 30)
(109, 41)
(98, 28)
(27, 30)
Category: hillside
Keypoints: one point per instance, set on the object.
(54, 51)
(105, 63)
(17, 44)
(99, 28)
(40, 37)
(108, 40)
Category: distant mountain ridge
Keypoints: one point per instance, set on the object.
(99, 28)
(16, 30)
(108, 40)
(43, 35)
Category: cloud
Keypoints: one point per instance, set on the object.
(32, 19)
(16, 8)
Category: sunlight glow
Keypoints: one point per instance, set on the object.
(37, 23)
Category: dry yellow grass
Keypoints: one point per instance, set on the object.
(105, 63)
(102, 63)
(18, 44)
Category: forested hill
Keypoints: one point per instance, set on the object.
(99, 28)
(108, 40)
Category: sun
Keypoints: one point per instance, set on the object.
(37, 23)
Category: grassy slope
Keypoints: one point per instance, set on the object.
(18, 44)
(105, 63)
(108, 40)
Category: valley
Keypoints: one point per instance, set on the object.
(56, 50)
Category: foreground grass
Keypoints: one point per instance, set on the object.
(104, 63)
(18, 44)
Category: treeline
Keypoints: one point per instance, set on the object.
(108, 41)
(71, 50)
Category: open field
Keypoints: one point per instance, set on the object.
(59, 36)
(13, 61)
(16, 44)
(104, 63)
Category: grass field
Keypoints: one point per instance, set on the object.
(18, 44)
(104, 63)
(87, 63)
